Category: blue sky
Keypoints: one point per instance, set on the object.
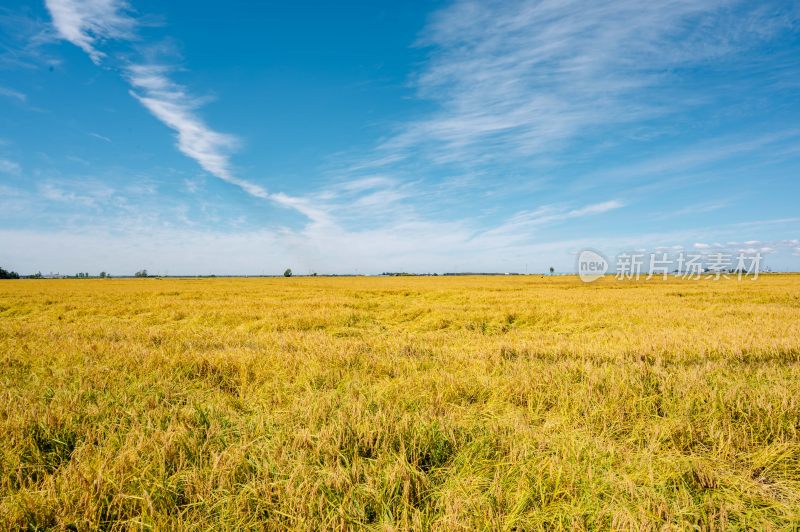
(240, 137)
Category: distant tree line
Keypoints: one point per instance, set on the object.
(6, 274)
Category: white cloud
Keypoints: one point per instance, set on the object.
(13, 94)
(519, 77)
(9, 167)
(172, 105)
(553, 213)
(316, 213)
(87, 194)
(596, 208)
(692, 210)
(523, 225)
(86, 23)
(701, 245)
(366, 183)
(101, 137)
(53, 193)
(680, 165)
(192, 185)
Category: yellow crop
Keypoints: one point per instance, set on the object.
(400, 403)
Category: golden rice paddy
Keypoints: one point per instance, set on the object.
(507, 403)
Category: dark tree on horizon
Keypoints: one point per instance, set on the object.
(6, 274)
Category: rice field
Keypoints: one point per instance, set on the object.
(459, 403)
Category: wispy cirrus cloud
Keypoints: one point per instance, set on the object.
(701, 155)
(523, 225)
(100, 137)
(693, 209)
(13, 94)
(88, 196)
(88, 23)
(22, 41)
(177, 109)
(523, 77)
(8, 166)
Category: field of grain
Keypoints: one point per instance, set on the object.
(400, 403)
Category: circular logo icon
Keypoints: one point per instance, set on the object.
(591, 265)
